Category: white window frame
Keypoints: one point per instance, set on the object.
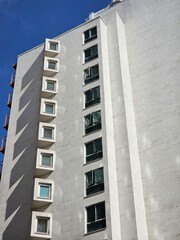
(49, 71)
(38, 182)
(34, 222)
(48, 93)
(42, 168)
(51, 52)
(42, 126)
(45, 101)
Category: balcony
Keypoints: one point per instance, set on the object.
(9, 102)
(1, 166)
(14, 66)
(6, 121)
(12, 80)
(3, 145)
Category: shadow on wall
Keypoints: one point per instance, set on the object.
(24, 155)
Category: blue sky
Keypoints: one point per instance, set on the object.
(25, 24)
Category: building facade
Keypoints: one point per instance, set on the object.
(93, 144)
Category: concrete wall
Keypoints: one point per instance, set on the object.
(19, 162)
(138, 44)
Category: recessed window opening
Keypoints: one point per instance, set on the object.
(94, 181)
(90, 34)
(96, 217)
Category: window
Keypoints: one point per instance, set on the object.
(93, 122)
(96, 217)
(46, 160)
(94, 150)
(94, 181)
(45, 190)
(49, 108)
(91, 74)
(52, 64)
(43, 225)
(48, 132)
(92, 96)
(50, 85)
(90, 34)
(53, 46)
(91, 53)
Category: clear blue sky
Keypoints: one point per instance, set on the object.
(26, 23)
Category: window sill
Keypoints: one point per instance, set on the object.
(100, 230)
(94, 194)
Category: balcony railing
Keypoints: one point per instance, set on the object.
(3, 145)
(9, 102)
(14, 66)
(6, 121)
(12, 80)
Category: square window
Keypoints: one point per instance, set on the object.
(46, 160)
(53, 46)
(48, 132)
(52, 65)
(45, 191)
(94, 181)
(49, 108)
(50, 86)
(42, 225)
(94, 150)
(93, 122)
(96, 218)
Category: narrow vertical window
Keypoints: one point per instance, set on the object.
(90, 34)
(91, 53)
(96, 217)
(94, 181)
(91, 73)
(93, 122)
(94, 150)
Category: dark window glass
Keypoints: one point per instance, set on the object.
(91, 74)
(96, 218)
(51, 86)
(90, 34)
(94, 181)
(51, 65)
(94, 150)
(91, 53)
(53, 46)
(93, 122)
(42, 225)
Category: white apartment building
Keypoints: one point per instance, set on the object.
(93, 143)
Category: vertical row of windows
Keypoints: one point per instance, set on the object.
(95, 214)
(44, 188)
